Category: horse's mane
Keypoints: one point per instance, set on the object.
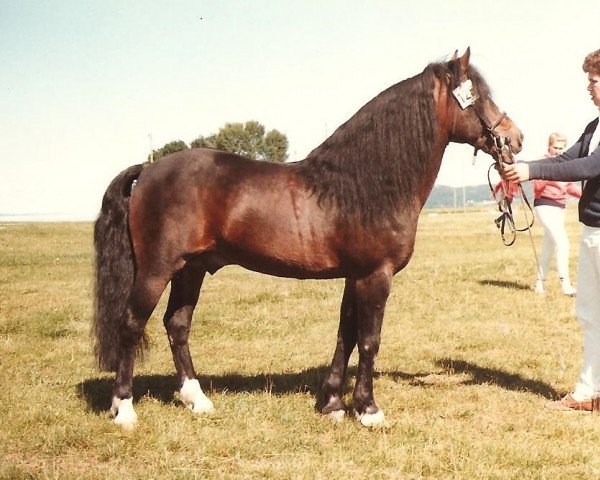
(378, 159)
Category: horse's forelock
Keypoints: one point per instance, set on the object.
(452, 69)
(479, 82)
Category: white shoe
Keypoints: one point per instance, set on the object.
(539, 287)
(569, 290)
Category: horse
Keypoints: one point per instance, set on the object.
(348, 210)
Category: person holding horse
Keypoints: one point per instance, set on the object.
(550, 198)
(581, 162)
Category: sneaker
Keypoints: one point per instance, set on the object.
(567, 288)
(539, 287)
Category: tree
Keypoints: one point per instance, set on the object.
(171, 147)
(255, 135)
(274, 148)
(204, 142)
(247, 139)
(233, 137)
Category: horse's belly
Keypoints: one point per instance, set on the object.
(277, 261)
(289, 268)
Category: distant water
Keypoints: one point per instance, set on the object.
(47, 217)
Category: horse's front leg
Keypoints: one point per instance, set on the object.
(333, 386)
(185, 291)
(371, 296)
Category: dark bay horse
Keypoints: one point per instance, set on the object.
(350, 210)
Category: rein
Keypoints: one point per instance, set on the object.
(506, 221)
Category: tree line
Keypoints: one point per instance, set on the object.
(249, 139)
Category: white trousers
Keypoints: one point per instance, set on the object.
(588, 313)
(555, 239)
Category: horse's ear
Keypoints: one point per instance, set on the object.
(464, 61)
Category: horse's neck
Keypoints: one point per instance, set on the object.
(386, 157)
(435, 164)
(444, 125)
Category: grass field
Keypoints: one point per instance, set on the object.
(469, 355)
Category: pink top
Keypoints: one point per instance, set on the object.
(557, 192)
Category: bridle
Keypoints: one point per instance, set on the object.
(466, 98)
(505, 222)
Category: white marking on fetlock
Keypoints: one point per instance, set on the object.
(337, 415)
(122, 410)
(372, 419)
(114, 407)
(193, 397)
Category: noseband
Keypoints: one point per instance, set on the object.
(499, 141)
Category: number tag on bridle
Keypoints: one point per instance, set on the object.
(464, 94)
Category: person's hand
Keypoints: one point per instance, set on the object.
(515, 172)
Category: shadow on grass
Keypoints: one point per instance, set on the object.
(492, 376)
(97, 392)
(505, 284)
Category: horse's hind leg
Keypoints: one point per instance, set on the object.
(333, 385)
(143, 298)
(185, 290)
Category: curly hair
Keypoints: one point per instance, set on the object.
(591, 64)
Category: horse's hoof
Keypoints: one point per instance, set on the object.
(125, 423)
(123, 413)
(193, 397)
(202, 405)
(337, 415)
(372, 420)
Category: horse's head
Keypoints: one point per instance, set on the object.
(472, 115)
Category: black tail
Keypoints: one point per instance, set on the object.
(115, 268)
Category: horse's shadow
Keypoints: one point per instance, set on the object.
(477, 375)
(505, 284)
(96, 391)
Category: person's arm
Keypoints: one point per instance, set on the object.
(565, 167)
(570, 154)
(567, 171)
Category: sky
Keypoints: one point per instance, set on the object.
(88, 87)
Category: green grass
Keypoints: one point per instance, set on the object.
(469, 355)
